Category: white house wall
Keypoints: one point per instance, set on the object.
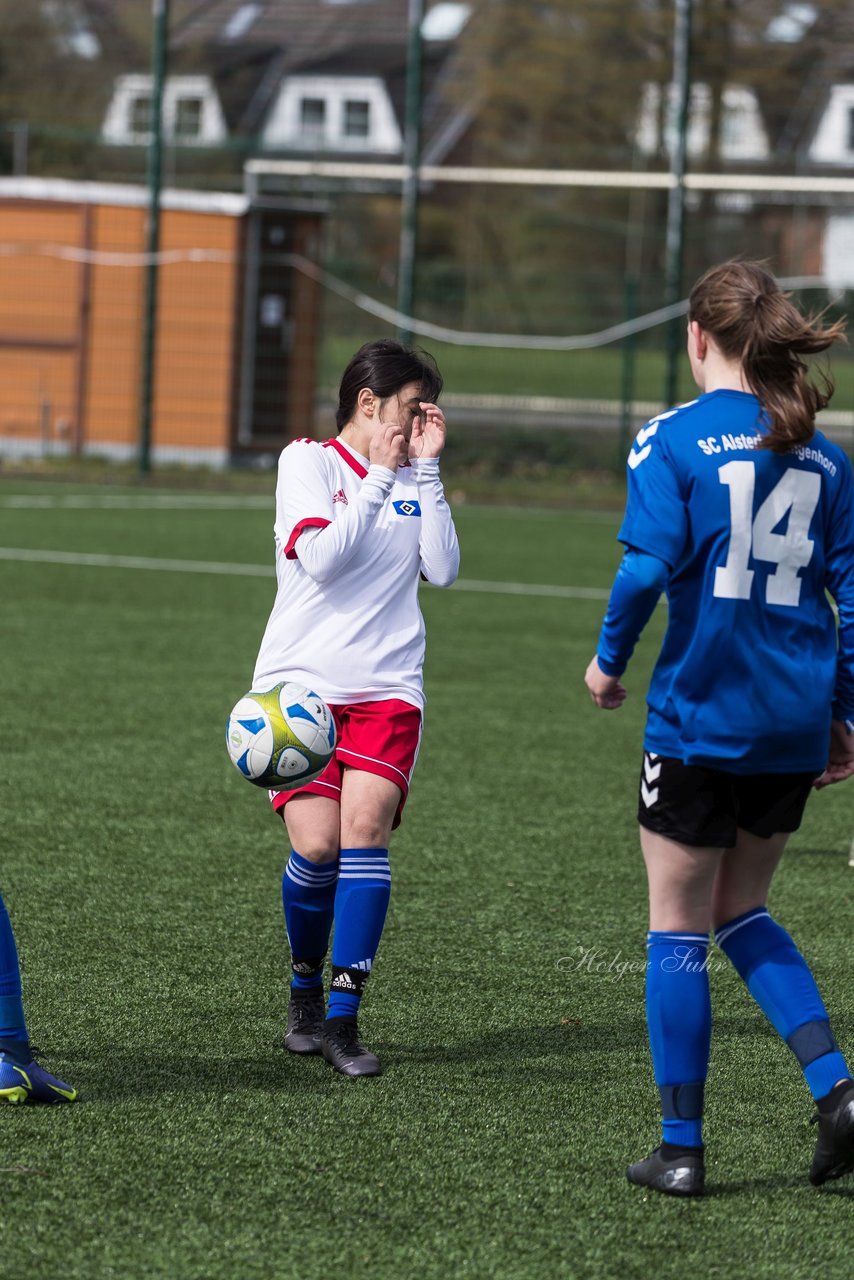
(117, 122)
(284, 123)
(839, 251)
(743, 135)
(834, 133)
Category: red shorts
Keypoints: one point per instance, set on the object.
(376, 737)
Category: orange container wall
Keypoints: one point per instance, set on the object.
(38, 322)
(72, 311)
(38, 289)
(196, 331)
(38, 395)
(194, 354)
(114, 338)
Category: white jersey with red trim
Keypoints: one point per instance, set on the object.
(352, 541)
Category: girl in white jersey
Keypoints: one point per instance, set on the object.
(360, 520)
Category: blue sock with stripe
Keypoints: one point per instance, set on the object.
(308, 896)
(12, 1024)
(679, 1019)
(361, 903)
(779, 979)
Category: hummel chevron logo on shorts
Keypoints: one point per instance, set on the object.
(651, 770)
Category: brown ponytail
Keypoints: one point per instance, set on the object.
(742, 307)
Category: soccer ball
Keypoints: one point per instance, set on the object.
(280, 738)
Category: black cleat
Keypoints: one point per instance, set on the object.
(834, 1150)
(306, 1012)
(340, 1047)
(681, 1175)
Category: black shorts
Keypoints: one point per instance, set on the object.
(705, 807)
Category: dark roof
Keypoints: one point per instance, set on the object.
(359, 37)
(301, 30)
(365, 37)
(792, 80)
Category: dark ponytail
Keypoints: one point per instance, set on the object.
(742, 307)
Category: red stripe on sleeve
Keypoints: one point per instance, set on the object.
(310, 522)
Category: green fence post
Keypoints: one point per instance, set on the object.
(674, 249)
(627, 391)
(160, 16)
(411, 160)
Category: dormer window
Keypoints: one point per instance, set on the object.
(344, 113)
(833, 142)
(188, 117)
(357, 119)
(313, 116)
(191, 111)
(741, 136)
(139, 114)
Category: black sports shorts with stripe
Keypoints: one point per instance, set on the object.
(698, 806)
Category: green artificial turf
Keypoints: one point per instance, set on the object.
(143, 879)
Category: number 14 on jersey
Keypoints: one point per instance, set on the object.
(796, 494)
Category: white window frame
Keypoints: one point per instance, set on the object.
(283, 127)
(187, 97)
(117, 122)
(830, 143)
(838, 251)
(743, 135)
(355, 102)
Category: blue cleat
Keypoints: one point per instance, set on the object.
(31, 1083)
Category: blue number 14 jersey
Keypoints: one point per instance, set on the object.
(750, 663)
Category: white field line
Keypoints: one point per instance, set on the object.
(531, 589)
(98, 560)
(101, 561)
(256, 502)
(136, 501)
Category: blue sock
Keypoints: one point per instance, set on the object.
(12, 1024)
(308, 896)
(361, 902)
(780, 981)
(679, 1019)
